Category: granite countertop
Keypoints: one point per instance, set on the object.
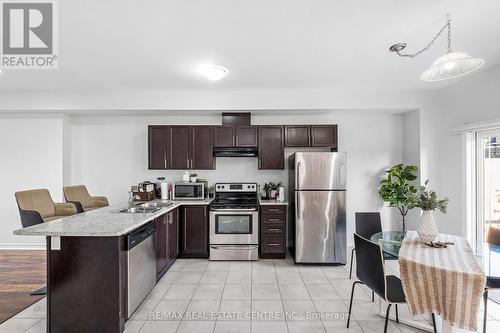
(272, 202)
(102, 222)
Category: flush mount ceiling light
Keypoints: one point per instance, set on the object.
(214, 72)
(449, 66)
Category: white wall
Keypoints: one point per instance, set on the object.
(110, 153)
(32, 157)
(471, 100)
(411, 154)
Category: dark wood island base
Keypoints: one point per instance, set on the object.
(86, 284)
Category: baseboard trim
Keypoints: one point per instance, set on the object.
(22, 246)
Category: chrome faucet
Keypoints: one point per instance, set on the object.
(130, 199)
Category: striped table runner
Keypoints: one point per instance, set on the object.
(447, 281)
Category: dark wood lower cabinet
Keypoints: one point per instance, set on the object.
(272, 231)
(194, 231)
(173, 237)
(166, 241)
(161, 244)
(86, 285)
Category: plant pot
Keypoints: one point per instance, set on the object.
(427, 230)
(273, 194)
(193, 179)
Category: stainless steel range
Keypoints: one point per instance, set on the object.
(234, 222)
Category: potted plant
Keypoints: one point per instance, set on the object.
(427, 201)
(193, 177)
(397, 189)
(273, 187)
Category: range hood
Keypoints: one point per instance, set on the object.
(236, 152)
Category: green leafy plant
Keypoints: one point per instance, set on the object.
(268, 187)
(427, 200)
(397, 188)
(193, 175)
(274, 186)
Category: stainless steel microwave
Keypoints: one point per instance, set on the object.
(189, 191)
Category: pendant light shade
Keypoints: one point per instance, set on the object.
(451, 65)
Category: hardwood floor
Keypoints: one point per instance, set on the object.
(21, 272)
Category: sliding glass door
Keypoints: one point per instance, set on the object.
(487, 183)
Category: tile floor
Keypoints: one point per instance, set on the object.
(271, 296)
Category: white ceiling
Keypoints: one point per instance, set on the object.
(124, 45)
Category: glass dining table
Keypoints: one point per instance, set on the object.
(488, 256)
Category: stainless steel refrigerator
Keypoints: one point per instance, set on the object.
(317, 210)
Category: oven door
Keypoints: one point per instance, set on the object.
(234, 227)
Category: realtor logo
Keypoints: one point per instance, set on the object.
(28, 35)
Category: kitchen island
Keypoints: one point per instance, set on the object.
(87, 265)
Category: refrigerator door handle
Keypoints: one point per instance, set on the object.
(297, 180)
(297, 203)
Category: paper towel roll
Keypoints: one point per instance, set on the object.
(163, 189)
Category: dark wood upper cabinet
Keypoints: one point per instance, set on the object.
(246, 136)
(324, 136)
(179, 157)
(202, 156)
(297, 136)
(271, 151)
(224, 136)
(157, 144)
(194, 232)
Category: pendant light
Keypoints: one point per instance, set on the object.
(450, 65)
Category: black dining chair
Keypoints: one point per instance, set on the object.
(492, 282)
(367, 225)
(370, 272)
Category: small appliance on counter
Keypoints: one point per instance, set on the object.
(189, 191)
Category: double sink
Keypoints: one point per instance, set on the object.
(144, 208)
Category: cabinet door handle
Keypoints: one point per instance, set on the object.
(165, 163)
(272, 244)
(273, 220)
(273, 229)
(273, 210)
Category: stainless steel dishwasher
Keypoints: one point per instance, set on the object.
(141, 263)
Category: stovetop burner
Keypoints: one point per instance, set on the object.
(235, 196)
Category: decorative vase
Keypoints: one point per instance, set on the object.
(193, 179)
(427, 230)
(273, 194)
